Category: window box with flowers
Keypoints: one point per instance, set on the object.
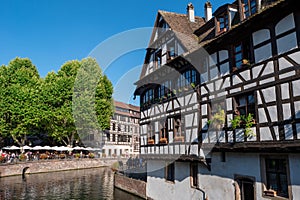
(179, 138)
(218, 120)
(245, 122)
(163, 141)
(150, 141)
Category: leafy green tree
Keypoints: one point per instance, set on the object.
(77, 99)
(74, 102)
(19, 104)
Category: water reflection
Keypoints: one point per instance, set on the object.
(77, 184)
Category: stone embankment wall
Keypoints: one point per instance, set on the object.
(133, 186)
(52, 165)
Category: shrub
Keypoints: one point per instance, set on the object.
(77, 155)
(2, 159)
(22, 157)
(62, 156)
(43, 156)
(91, 155)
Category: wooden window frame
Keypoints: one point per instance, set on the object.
(194, 175)
(223, 22)
(158, 59)
(246, 106)
(163, 132)
(248, 4)
(245, 51)
(170, 172)
(264, 176)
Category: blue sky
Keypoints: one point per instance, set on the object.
(51, 32)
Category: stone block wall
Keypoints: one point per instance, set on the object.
(133, 186)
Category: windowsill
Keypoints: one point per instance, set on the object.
(168, 181)
(275, 197)
(271, 194)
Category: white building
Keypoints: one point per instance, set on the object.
(220, 102)
(123, 137)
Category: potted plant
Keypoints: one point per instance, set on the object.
(218, 119)
(174, 92)
(243, 121)
(249, 121)
(193, 85)
(236, 122)
(91, 155)
(245, 62)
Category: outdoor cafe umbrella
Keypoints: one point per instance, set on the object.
(62, 148)
(47, 148)
(37, 148)
(78, 148)
(26, 147)
(12, 148)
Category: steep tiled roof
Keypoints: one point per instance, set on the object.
(183, 28)
(127, 107)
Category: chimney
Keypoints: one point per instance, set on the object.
(208, 11)
(190, 12)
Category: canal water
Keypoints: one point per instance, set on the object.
(87, 184)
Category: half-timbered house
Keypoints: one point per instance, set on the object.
(220, 103)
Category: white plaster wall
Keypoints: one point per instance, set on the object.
(296, 88)
(273, 113)
(285, 94)
(160, 189)
(256, 70)
(294, 164)
(286, 111)
(246, 75)
(297, 109)
(265, 134)
(269, 69)
(218, 184)
(269, 94)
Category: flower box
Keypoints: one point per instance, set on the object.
(270, 193)
(163, 141)
(150, 141)
(178, 139)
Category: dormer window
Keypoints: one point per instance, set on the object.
(225, 17)
(223, 23)
(249, 7)
(171, 50)
(162, 26)
(157, 59)
(242, 54)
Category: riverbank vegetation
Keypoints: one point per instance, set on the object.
(57, 108)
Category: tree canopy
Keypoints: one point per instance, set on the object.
(77, 99)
